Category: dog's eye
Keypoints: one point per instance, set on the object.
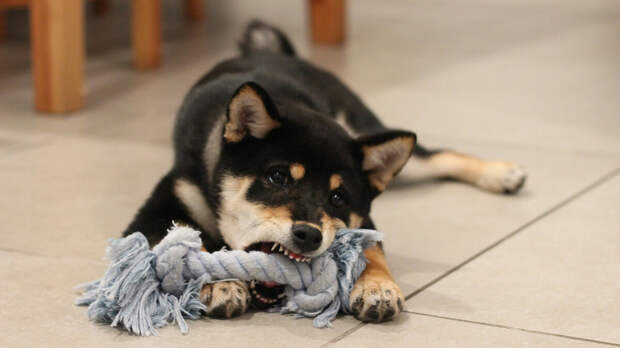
(336, 199)
(278, 176)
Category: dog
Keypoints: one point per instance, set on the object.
(275, 154)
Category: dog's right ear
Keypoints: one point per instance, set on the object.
(250, 112)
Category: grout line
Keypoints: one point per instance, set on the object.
(514, 328)
(16, 251)
(548, 212)
(344, 334)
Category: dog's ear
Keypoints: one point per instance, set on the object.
(250, 112)
(384, 155)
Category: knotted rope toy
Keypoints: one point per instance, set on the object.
(144, 289)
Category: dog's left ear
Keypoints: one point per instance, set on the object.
(250, 112)
(384, 155)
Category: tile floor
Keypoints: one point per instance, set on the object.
(531, 81)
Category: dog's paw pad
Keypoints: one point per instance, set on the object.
(226, 299)
(502, 177)
(376, 300)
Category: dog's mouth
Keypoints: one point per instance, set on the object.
(266, 294)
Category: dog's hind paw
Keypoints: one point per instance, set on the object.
(376, 299)
(225, 299)
(502, 177)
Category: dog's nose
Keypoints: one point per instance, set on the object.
(306, 238)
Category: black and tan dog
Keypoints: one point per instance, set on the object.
(275, 154)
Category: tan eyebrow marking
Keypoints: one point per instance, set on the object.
(355, 221)
(297, 171)
(335, 181)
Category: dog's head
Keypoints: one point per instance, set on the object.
(289, 177)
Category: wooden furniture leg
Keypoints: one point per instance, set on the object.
(328, 21)
(146, 33)
(57, 39)
(195, 10)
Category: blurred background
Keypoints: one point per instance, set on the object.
(516, 69)
(86, 118)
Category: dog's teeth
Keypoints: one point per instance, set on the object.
(263, 299)
(254, 291)
(285, 251)
(281, 249)
(281, 295)
(252, 285)
(275, 245)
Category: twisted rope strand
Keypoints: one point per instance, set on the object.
(143, 290)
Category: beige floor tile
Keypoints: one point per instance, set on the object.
(558, 91)
(560, 275)
(69, 197)
(433, 226)
(13, 141)
(37, 309)
(411, 330)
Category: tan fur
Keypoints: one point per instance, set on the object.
(341, 119)
(495, 176)
(194, 201)
(297, 171)
(242, 222)
(233, 132)
(375, 296)
(355, 221)
(239, 125)
(213, 147)
(329, 227)
(385, 160)
(335, 181)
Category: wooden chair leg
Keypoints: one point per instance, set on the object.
(328, 21)
(195, 10)
(57, 39)
(146, 33)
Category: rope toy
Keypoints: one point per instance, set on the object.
(144, 289)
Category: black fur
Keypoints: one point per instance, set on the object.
(304, 100)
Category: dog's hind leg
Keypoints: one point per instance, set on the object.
(494, 176)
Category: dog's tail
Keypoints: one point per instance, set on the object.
(260, 36)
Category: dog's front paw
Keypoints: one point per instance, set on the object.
(376, 299)
(225, 299)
